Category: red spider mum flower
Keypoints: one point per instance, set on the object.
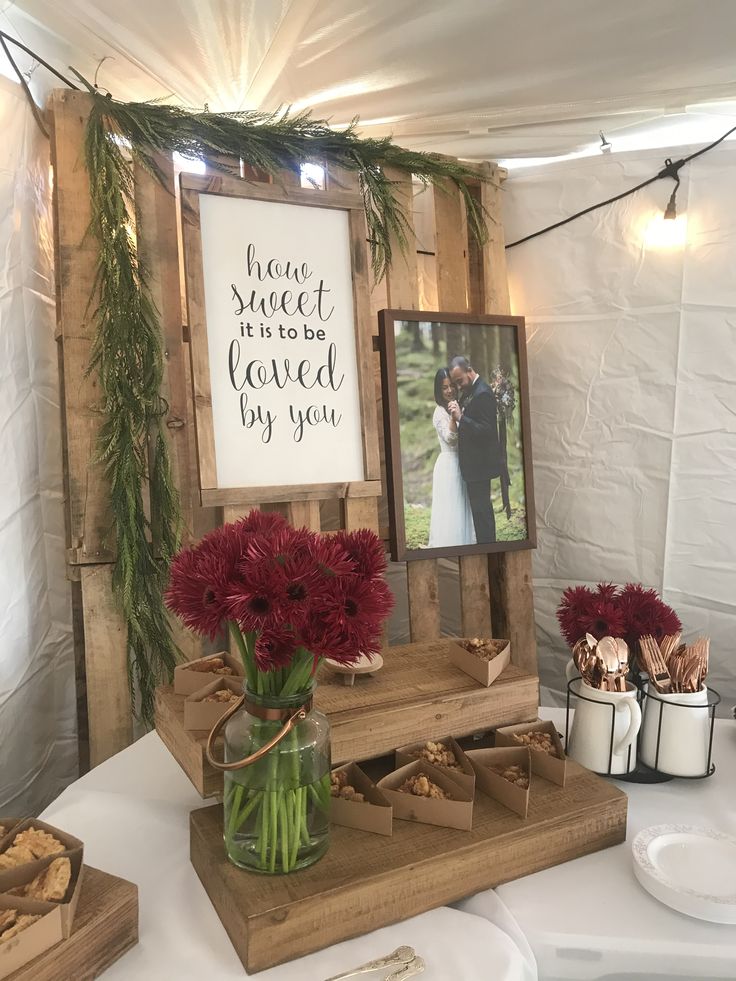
(262, 522)
(575, 603)
(197, 590)
(274, 649)
(606, 591)
(576, 599)
(303, 587)
(281, 544)
(366, 550)
(253, 601)
(357, 610)
(645, 613)
(229, 543)
(332, 558)
(325, 638)
(583, 611)
(602, 620)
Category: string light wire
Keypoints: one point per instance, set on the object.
(671, 169)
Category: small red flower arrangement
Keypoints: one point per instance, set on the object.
(609, 611)
(289, 596)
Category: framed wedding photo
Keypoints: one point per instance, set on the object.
(457, 432)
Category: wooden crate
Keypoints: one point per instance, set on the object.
(417, 695)
(365, 882)
(105, 927)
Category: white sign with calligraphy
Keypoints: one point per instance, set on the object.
(278, 299)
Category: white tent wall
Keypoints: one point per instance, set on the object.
(632, 359)
(38, 755)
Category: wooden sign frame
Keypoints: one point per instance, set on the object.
(394, 472)
(192, 186)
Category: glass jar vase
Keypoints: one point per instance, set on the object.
(277, 807)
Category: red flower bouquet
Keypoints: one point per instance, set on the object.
(629, 612)
(289, 597)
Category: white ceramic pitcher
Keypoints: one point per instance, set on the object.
(684, 735)
(589, 741)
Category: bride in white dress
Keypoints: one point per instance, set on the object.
(452, 520)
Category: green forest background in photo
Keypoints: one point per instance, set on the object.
(422, 348)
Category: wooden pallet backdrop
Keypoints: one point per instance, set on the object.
(495, 591)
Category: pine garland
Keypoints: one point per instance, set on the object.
(127, 346)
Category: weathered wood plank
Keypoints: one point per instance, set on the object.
(361, 512)
(296, 492)
(156, 222)
(106, 662)
(304, 514)
(510, 572)
(452, 292)
(197, 320)
(402, 292)
(364, 347)
(87, 500)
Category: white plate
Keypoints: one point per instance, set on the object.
(692, 870)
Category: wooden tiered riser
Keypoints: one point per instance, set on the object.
(368, 881)
(417, 695)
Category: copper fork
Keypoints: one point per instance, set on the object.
(655, 664)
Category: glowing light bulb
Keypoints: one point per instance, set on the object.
(665, 233)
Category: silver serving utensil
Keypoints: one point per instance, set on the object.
(410, 970)
(400, 958)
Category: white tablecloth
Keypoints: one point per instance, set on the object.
(591, 919)
(132, 813)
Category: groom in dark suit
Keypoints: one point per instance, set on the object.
(479, 449)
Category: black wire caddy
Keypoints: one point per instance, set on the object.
(640, 772)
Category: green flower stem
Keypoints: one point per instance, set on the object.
(296, 799)
(269, 794)
(285, 832)
(245, 646)
(235, 799)
(265, 826)
(248, 807)
(304, 800)
(274, 829)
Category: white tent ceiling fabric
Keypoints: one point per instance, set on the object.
(484, 80)
(37, 690)
(632, 360)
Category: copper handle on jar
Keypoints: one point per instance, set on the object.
(298, 715)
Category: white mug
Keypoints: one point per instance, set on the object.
(684, 734)
(589, 742)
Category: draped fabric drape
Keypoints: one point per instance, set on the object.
(632, 361)
(38, 743)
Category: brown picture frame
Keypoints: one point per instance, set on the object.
(192, 186)
(391, 422)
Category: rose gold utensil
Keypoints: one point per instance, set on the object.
(656, 668)
(607, 651)
(622, 649)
